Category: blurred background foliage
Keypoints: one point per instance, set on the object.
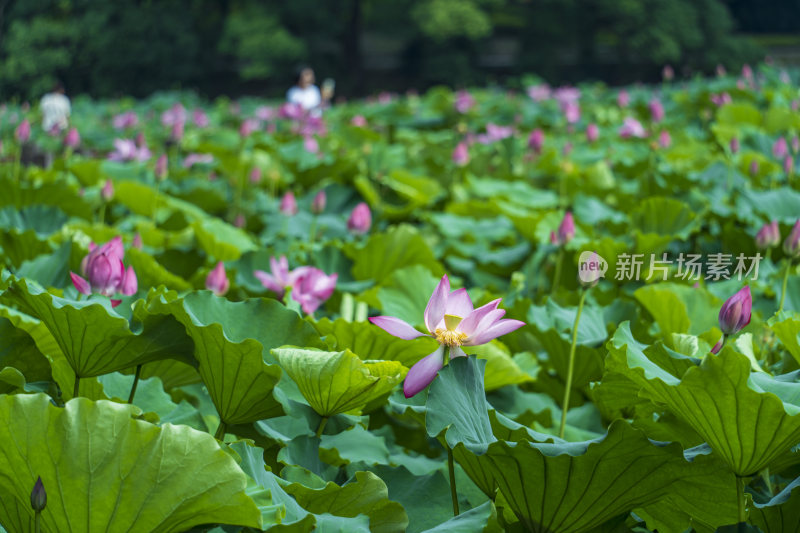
(134, 47)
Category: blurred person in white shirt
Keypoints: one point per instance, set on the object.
(55, 109)
(308, 95)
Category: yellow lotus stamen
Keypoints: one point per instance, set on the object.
(451, 322)
(450, 338)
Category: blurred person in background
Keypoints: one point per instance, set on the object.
(55, 109)
(308, 95)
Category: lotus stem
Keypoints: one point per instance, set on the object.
(557, 274)
(220, 433)
(321, 427)
(156, 202)
(37, 521)
(451, 467)
(77, 389)
(767, 481)
(571, 366)
(362, 310)
(135, 383)
(741, 499)
(347, 307)
(783, 289)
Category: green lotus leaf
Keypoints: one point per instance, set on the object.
(152, 274)
(222, 241)
(94, 340)
(787, 327)
(566, 487)
(371, 342)
(22, 245)
(365, 493)
(399, 247)
(294, 515)
(781, 514)
(355, 445)
(104, 471)
(469, 522)
(231, 344)
(457, 402)
(749, 421)
(19, 352)
(501, 370)
(338, 382)
(58, 194)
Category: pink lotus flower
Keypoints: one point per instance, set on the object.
(266, 113)
(667, 73)
(754, 167)
(747, 72)
(248, 126)
(572, 112)
(72, 139)
(656, 110)
(217, 281)
(107, 192)
(464, 101)
(23, 131)
(318, 203)
(128, 119)
(200, 118)
(105, 272)
(495, 133)
(735, 312)
(664, 139)
(566, 230)
(623, 99)
(174, 115)
(137, 241)
(592, 132)
(567, 95)
(162, 167)
(721, 99)
(360, 219)
(540, 92)
(768, 236)
(536, 140)
(176, 133)
(734, 145)
(631, 128)
(721, 72)
(791, 246)
(288, 204)
(788, 165)
(461, 154)
(255, 175)
(240, 221)
(310, 144)
(359, 121)
(126, 150)
(291, 111)
(452, 320)
(194, 159)
(780, 148)
(309, 286)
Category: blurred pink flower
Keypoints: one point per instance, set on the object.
(72, 139)
(359, 121)
(310, 144)
(664, 139)
(592, 132)
(255, 175)
(461, 154)
(318, 203)
(23, 131)
(566, 230)
(631, 128)
(623, 99)
(309, 286)
(217, 281)
(540, 92)
(200, 118)
(288, 204)
(248, 126)
(128, 119)
(464, 101)
(194, 159)
(174, 115)
(667, 73)
(780, 148)
(656, 110)
(536, 140)
(107, 192)
(126, 150)
(360, 219)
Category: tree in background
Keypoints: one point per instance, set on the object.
(136, 47)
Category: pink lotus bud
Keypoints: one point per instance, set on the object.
(536, 140)
(81, 284)
(162, 165)
(217, 280)
(566, 230)
(137, 241)
(754, 167)
(318, 203)
(592, 132)
(23, 131)
(791, 246)
(768, 236)
(105, 273)
(780, 148)
(721, 72)
(788, 165)
(360, 219)
(359, 121)
(667, 73)
(664, 139)
(310, 144)
(255, 175)
(288, 204)
(717, 347)
(464, 101)
(747, 72)
(72, 139)
(248, 126)
(140, 140)
(623, 98)
(735, 312)
(735, 145)
(572, 112)
(461, 154)
(107, 192)
(656, 110)
(176, 133)
(129, 284)
(240, 221)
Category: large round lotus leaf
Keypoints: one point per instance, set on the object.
(338, 382)
(105, 471)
